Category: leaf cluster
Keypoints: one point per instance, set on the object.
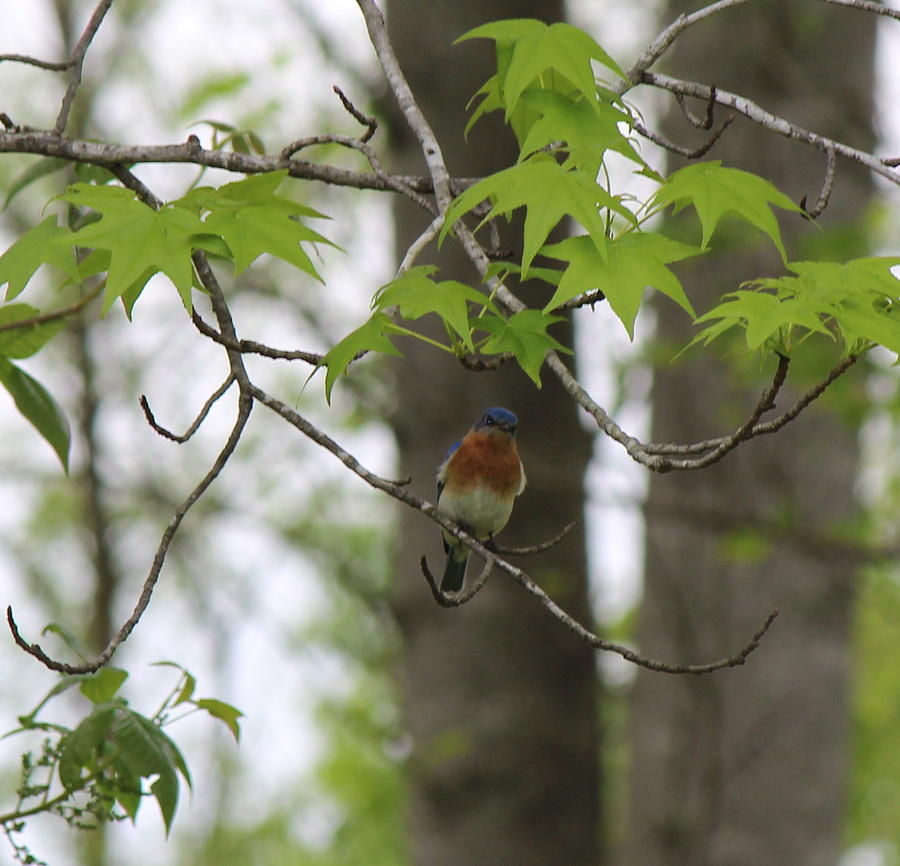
(568, 124)
(122, 242)
(106, 765)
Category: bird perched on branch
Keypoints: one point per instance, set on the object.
(477, 483)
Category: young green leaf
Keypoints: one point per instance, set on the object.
(148, 752)
(226, 713)
(715, 190)
(524, 334)
(25, 341)
(253, 220)
(415, 294)
(79, 749)
(101, 687)
(538, 48)
(371, 336)
(549, 192)
(623, 269)
(38, 407)
(137, 237)
(587, 128)
(36, 247)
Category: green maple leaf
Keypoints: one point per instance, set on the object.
(548, 192)
(623, 270)
(253, 220)
(371, 336)
(415, 294)
(529, 49)
(36, 247)
(524, 334)
(715, 190)
(762, 315)
(138, 238)
(588, 128)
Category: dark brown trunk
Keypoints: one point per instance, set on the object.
(749, 766)
(501, 700)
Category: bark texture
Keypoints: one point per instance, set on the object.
(749, 766)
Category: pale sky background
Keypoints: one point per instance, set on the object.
(183, 43)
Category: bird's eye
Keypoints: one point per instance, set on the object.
(489, 421)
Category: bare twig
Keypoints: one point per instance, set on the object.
(77, 64)
(416, 121)
(479, 365)
(366, 120)
(664, 40)
(827, 187)
(766, 427)
(867, 6)
(769, 121)
(536, 548)
(162, 550)
(53, 315)
(457, 599)
(34, 61)
(687, 152)
(201, 417)
(706, 121)
(252, 347)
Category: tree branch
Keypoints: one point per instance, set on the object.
(201, 417)
(76, 62)
(766, 119)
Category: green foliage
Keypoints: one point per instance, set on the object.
(129, 243)
(112, 759)
(851, 302)
(714, 190)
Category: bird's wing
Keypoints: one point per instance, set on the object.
(443, 466)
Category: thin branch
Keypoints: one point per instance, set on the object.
(687, 152)
(766, 427)
(457, 599)
(664, 40)
(536, 548)
(366, 120)
(492, 562)
(770, 121)
(706, 121)
(477, 364)
(419, 244)
(53, 315)
(34, 649)
(827, 187)
(34, 61)
(201, 417)
(415, 119)
(77, 64)
(588, 299)
(252, 347)
(867, 6)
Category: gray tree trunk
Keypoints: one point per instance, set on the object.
(500, 698)
(749, 766)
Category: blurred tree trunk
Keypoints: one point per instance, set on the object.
(749, 766)
(500, 698)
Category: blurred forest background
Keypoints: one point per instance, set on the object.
(381, 729)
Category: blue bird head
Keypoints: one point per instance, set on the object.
(497, 418)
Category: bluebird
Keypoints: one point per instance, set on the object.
(477, 483)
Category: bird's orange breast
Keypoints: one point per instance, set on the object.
(488, 459)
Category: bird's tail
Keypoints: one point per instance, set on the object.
(455, 571)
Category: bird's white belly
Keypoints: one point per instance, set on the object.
(478, 507)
